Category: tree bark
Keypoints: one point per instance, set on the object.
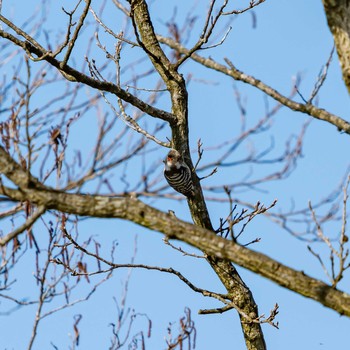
(338, 14)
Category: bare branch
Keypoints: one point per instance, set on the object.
(32, 47)
(233, 72)
(133, 210)
(110, 31)
(206, 32)
(252, 4)
(321, 77)
(27, 225)
(341, 253)
(179, 249)
(75, 35)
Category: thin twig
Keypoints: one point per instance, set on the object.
(76, 34)
(252, 4)
(321, 77)
(110, 31)
(179, 249)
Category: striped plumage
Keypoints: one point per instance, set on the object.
(178, 174)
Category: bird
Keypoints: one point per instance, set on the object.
(178, 174)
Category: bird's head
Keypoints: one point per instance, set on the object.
(173, 159)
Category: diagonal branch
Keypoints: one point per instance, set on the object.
(142, 214)
(174, 81)
(31, 47)
(147, 39)
(29, 222)
(206, 33)
(76, 33)
(231, 71)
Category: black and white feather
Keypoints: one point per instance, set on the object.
(178, 174)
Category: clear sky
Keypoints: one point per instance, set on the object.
(290, 38)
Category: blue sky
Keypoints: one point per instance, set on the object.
(290, 38)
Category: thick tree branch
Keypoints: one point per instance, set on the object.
(138, 212)
(236, 74)
(338, 14)
(147, 39)
(174, 81)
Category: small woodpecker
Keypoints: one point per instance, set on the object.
(178, 174)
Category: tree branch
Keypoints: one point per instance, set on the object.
(31, 47)
(29, 222)
(136, 211)
(236, 74)
(338, 13)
